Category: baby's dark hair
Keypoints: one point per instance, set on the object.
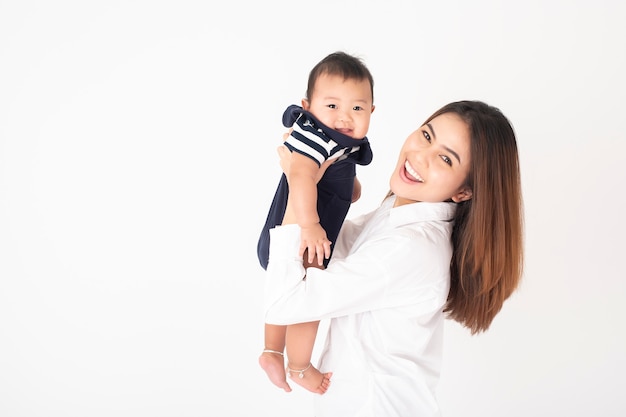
(340, 63)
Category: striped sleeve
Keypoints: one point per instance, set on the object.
(312, 143)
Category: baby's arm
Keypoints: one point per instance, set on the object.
(303, 176)
(356, 191)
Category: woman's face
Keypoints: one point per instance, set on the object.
(434, 162)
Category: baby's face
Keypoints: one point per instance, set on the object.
(342, 104)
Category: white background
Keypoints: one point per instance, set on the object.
(137, 164)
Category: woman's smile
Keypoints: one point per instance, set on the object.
(411, 172)
(434, 161)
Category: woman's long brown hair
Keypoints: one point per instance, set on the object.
(487, 237)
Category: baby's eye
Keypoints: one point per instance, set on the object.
(426, 135)
(332, 106)
(357, 108)
(446, 160)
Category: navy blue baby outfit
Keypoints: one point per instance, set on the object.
(334, 190)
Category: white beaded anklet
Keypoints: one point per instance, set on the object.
(300, 371)
(273, 351)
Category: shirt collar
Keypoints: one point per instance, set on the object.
(419, 212)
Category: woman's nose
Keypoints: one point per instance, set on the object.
(425, 157)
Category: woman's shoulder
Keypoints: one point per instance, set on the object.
(425, 235)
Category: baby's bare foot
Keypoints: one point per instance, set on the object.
(272, 363)
(310, 378)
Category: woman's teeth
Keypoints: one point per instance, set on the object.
(412, 172)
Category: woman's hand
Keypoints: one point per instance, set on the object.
(285, 158)
(285, 161)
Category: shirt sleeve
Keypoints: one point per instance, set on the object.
(310, 143)
(349, 232)
(406, 268)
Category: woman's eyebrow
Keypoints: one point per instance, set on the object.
(432, 131)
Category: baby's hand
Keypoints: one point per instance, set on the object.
(315, 243)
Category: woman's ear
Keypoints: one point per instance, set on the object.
(463, 195)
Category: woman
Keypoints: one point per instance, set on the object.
(446, 241)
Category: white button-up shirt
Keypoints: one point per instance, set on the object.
(384, 292)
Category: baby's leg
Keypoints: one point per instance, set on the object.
(300, 339)
(310, 378)
(272, 360)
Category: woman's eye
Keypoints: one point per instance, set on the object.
(446, 160)
(426, 135)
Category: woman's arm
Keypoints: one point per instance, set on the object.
(390, 270)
